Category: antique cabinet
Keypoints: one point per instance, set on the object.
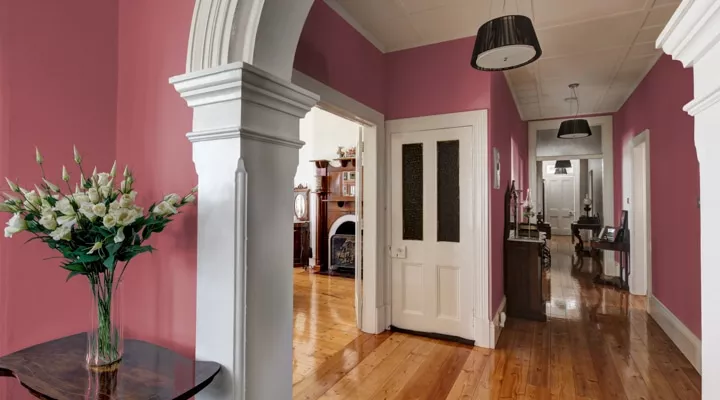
(524, 279)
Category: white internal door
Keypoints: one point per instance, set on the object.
(560, 205)
(432, 231)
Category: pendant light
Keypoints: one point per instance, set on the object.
(506, 42)
(574, 128)
(561, 167)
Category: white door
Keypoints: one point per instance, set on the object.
(560, 203)
(359, 149)
(432, 232)
(639, 232)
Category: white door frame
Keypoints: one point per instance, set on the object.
(477, 120)
(373, 304)
(606, 124)
(641, 273)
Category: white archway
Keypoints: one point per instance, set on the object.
(264, 33)
(245, 148)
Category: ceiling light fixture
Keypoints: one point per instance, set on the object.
(506, 42)
(574, 128)
(561, 167)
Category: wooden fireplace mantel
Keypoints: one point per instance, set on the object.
(332, 202)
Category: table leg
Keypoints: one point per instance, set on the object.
(580, 246)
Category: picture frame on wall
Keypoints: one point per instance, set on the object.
(496, 168)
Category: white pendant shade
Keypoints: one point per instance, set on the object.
(502, 58)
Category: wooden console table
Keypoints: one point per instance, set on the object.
(623, 247)
(56, 370)
(577, 226)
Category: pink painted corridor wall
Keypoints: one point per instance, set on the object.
(58, 69)
(508, 133)
(152, 121)
(435, 79)
(657, 105)
(334, 53)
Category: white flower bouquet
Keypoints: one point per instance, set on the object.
(95, 227)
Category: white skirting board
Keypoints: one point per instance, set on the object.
(497, 323)
(487, 332)
(684, 339)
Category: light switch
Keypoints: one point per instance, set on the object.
(398, 252)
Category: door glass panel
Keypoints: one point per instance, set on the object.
(412, 191)
(448, 191)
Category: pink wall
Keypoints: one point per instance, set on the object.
(152, 121)
(506, 129)
(435, 79)
(57, 77)
(334, 53)
(674, 183)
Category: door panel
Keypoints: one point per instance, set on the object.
(432, 236)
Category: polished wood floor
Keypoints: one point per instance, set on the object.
(599, 343)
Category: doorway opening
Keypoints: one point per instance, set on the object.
(592, 170)
(640, 241)
(560, 192)
(328, 237)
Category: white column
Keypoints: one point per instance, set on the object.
(693, 36)
(245, 147)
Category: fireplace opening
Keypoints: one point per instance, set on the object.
(342, 246)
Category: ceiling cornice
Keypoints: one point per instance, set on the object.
(344, 14)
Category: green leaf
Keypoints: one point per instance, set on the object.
(113, 248)
(75, 267)
(86, 258)
(71, 275)
(109, 263)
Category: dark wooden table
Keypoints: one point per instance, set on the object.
(623, 247)
(577, 226)
(56, 370)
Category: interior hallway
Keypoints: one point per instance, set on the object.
(598, 344)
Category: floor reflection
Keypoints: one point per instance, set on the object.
(598, 343)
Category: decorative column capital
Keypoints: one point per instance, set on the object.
(238, 81)
(692, 31)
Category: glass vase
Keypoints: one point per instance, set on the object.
(105, 338)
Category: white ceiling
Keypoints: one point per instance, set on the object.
(607, 46)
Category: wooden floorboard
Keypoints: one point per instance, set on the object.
(599, 343)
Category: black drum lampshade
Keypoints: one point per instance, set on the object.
(561, 167)
(505, 43)
(574, 129)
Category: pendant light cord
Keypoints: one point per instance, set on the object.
(577, 102)
(532, 9)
